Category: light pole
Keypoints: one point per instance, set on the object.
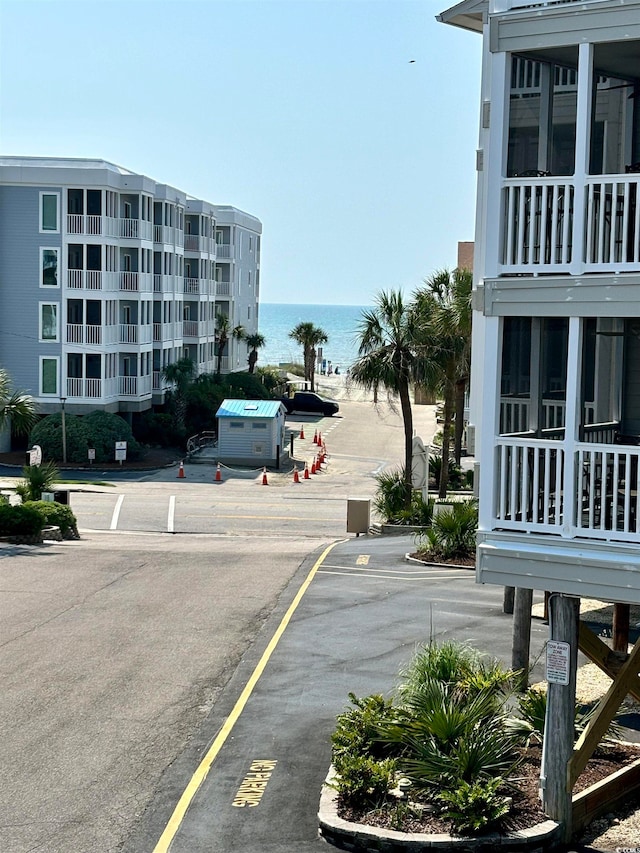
(64, 433)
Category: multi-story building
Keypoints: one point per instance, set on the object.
(107, 277)
(555, 388)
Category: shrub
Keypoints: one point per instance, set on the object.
(59, 515)
(19, 520)
(363, 781)
(452, 534)
(159, 429)
(532, 706)
(389, 501)
(48, 434)
(458, 479)
(103, 430)
(357, 729)
(37, 479)
(475, 807)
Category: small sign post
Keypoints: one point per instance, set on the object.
(121, 451)
(91, 452)
(35, 455)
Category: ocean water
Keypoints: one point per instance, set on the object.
(340, 322)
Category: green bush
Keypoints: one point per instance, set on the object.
(532, 706)
(363, 781)
(475, 807)
(103, 430)
(37, 479)
(389, 501)
(452, 534)
(158, 429)
(59, 515)
(458, 479)
(356, 732)
(48, 434)
(19, 520)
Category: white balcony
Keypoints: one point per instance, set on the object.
(532, 482)
(134, 386)
(93, 226)
(131, 333)
(223, 250)
(90, 389)
(543, 232)
(136, 282)
(136, 229)
(92, 280)
(163, 283)
(507, 5)
(164, 234)
(223, 288)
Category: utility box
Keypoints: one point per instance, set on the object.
(47, 496)
(358, 515)
(61, 496)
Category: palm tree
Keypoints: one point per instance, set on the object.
(309, 337)
(389, 357)
(254, 341)
(444, 314)
(180, 374)
(17, 409)
(224, 330)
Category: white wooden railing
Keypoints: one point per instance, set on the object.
(88, 388)
(223, 288)
(137, 229)
(134, 386)
(543, 233)
(91, 280)
(223, 250)
(533, 496)
(78, 223)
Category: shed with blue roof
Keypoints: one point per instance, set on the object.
(251, 431)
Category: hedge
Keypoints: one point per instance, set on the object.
(59, 515)
(20, 520)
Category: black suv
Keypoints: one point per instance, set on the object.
(309, 402)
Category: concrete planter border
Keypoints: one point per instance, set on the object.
(356, 836)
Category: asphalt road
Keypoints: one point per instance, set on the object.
(362, 616)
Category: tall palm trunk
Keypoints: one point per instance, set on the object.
(461, 387)
(446, 441)
(407, 419)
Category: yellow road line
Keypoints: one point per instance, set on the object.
(203, 768)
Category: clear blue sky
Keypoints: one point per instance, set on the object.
(305, 113)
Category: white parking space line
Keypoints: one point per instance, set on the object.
(116, 513)
(172, 513)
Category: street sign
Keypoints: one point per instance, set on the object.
(121, 451)
(91, 452)
(557, 662)
(35, 455)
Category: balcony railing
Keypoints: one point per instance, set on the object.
(107, 226)
(539, 5)
(134, 386)
(136, 229)
(164, 234)
(78, 333)
(534, 496)
(136, 282)
(223, 288)
(199, 243)
(163, 283)
(92, 280)
(130, 333)
(91, 388)
(543, 232)
(223, 250)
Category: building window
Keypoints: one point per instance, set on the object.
(259, 426)
(49, 268)
(236, 424)
(49, 207)
(49, 376)
(48, 321)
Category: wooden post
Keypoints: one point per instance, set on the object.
(559, 722)
(507, 601)
(621, 627)
(522, 634)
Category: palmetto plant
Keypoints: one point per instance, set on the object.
(16, 407)
(452, 534)
(37, 479)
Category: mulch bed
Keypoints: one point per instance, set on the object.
(454, 561)
(526, 810)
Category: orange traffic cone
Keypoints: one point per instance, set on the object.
(218, 474)
(319, 439)
(302, 431)
(181, 474)
(265, 482)
(314, 466)
(306, 471)
(296, 476)
(315, 437)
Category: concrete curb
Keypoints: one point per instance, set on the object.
(356, 836)
(411, 559)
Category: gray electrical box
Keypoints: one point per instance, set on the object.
(358, 515)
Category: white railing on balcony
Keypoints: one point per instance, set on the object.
(529, 480)
(136, 282)
(164, 234)
(192, 286)
(539, 5)
(137, 229)
(87, 388)
(75, 333)
(190, 328)
(223, 250)
(537, 225)
(128, 333)
(157, 332)
(607, 493)
(134, 386)
(194, 243)
(92, 225)
(163, 283)
(612, 223)
(92, 280)
(223, 288)
(159, 382)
